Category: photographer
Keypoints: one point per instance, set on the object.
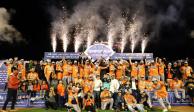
(50, 99)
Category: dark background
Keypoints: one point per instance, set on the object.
(31, 19)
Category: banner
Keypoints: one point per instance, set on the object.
(98, 51)
(19, 103)
(61, 55)
(132, 56)
(3, 74)
(23, 101)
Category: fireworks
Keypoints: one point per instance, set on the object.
(133, 44)
(65, 43)
(54, 41)
(124, 36)
(143, 45)
(64, 37)
(110, 38)
(90, 37)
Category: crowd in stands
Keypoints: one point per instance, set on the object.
(89, 85)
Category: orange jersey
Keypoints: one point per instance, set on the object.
(9, 66)
(141, 85)
(88, 86)
(153, 71)
(78, 80)
(36, 87)
(130, 99)
(88, 102)
(105, 95)
(119, 72)
(160, 90)
(65, 69)
(134, 71)
(186, 71)
(59, 68)
(169, 74)
(87, 70)
(161, 69)
(176, 84)
(141, 70)
(149, 85)
(124, 67)
(96, 70)
(61, 90)
(111, 69)
(44, 87)
(47, 71)
(59, 75)
(13, 82)
(70, 69)
(22, 70)
(32, 76)
(72, 96)
(75, 70)
(81, 71)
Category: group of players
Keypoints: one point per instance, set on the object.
(91, 85)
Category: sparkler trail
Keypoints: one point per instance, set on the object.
(143, 45)
(64, 37)
(124, 35)
(90, 37)
(54, 41)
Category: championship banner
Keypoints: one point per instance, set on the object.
(19, 103)
(98, 51)
(132, 56)
(61, 55)
(3, 74)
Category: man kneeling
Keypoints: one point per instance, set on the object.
(106, 99)
(131, 102)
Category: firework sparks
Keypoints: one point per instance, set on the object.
(64, 37)
(54, 42)
(143, 45)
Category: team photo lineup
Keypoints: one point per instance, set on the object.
(96, 55)
(101, 84)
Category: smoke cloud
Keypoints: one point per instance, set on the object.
(113, 20)
(7, 32)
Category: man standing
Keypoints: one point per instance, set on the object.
(48, 70)
(186, 71)
(97, 86)
(13, 83)
(114, 87)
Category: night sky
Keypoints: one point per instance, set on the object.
(30, 17)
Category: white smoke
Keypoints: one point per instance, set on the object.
(109, 18)
(7, 32)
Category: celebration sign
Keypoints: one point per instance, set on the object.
(3, 74)
(98, 51)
